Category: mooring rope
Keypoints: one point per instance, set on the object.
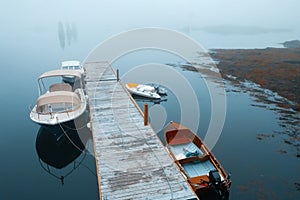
(74, 129)
(82, 150)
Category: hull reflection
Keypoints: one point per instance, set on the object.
(61, 148)
(56, 147)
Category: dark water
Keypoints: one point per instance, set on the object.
(22, 174)
(261, 169)
(32, 161)
(264, 168)
(253, 145)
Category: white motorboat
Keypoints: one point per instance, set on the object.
(71, 65)
(142, 90)
(58, 102)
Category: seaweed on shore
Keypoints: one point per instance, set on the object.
(277, 69)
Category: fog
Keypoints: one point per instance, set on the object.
(214, 23)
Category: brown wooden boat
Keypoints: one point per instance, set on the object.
(196, 162)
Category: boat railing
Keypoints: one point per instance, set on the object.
(67, 111)
(215, 162)
(50, 111)
(181, 169)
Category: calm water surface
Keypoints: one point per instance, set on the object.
(261, 168)
(23, 174)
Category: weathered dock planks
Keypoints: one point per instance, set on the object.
(131, 161)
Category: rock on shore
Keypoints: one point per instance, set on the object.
(292, 44)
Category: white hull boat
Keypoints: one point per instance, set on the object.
(59, 102)
(142, 90)
(71, 65)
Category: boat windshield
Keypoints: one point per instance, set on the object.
(76, 67)
(58, 101)
(46, 82)
(57, 108)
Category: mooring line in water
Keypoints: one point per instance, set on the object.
(62, 177)
(75, 129)
(82, 150)
(91, 171)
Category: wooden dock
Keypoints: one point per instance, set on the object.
(131, 161)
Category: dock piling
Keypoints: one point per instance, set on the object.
(118, 75)
(145, 114)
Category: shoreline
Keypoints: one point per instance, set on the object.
(276, 69)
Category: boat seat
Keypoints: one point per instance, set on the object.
(198, 180)
(60, 87)
(198, 158)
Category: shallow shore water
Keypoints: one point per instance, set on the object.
(276, 69)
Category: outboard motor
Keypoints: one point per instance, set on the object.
(215, 178)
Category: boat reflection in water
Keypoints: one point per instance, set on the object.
(140, 99)
(61, 148)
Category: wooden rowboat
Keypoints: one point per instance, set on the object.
(196, 162)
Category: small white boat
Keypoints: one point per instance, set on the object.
(71, 65)
(58, 102)
(142, 90)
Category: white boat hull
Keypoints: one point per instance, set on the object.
(71, 65)
(58, 117)
(143, 91)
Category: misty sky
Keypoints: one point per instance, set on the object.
(266, 13)
(103, 18)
